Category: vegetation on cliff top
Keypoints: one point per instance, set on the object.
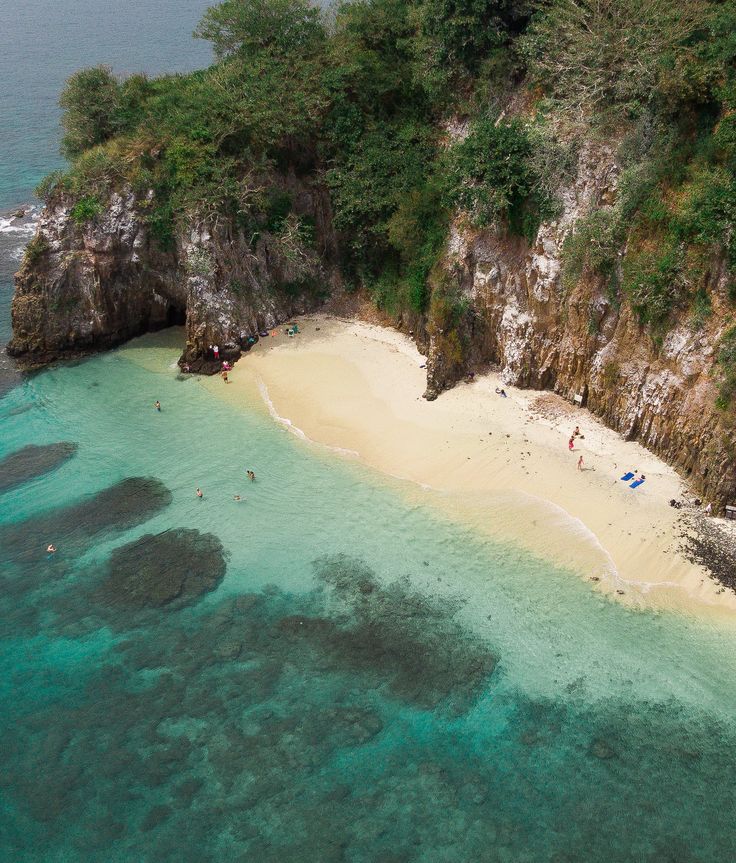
(358, 99)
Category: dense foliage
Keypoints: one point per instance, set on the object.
(359, 98)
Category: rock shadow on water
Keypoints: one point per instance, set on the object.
(126, 504)
(33, 461)
(168, 571)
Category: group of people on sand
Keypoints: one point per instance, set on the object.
(571, 445)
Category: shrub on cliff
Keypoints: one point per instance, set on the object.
(727, 362)
(612, 55)
(86, 209)
(491, 176)
(89, 102)
(453, 38)
(276, 28)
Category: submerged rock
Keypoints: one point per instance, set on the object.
(121, 506)
(33, 461)
(602, 750)
(166, 570)
(396, 636)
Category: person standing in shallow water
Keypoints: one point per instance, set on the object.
(158, 406)
(251, 475)
(199, 493)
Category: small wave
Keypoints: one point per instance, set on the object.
(294, 429)
(14, 226)
(578, 526)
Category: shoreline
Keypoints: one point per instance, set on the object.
(500, 465)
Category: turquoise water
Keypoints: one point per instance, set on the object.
(317, 672)
(321, 671)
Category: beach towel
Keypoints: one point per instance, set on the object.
(627, 476)
(636, 484)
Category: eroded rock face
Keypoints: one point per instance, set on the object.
(582, 342)
(87, 287)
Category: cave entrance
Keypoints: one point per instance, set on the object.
(176, 316)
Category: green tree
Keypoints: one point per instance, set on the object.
(90, 101)
(278, 28)
(454, 36)
(606, 54)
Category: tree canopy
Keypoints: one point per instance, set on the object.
(361, 100)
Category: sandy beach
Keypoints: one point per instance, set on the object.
(499, 464)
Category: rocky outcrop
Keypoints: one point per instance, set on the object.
(87, 287)
(589, 343)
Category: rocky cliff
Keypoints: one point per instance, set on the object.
(585, 341)
(86, 287)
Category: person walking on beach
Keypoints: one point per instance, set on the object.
(199, 493)
(571, 444)
(580, 463)
(158, 406)
(224, 376)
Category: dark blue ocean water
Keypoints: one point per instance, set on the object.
(321, 671)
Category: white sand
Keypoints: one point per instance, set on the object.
(501, 464)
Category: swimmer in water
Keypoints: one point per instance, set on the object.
(199, 493)
(158, 406)
(51, 548)
(237, 497)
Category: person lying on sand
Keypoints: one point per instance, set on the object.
(501, 392)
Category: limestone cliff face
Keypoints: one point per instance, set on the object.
(584, 342)
(83, 288)
(87, 287)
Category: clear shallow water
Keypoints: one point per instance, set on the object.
(365, 682)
